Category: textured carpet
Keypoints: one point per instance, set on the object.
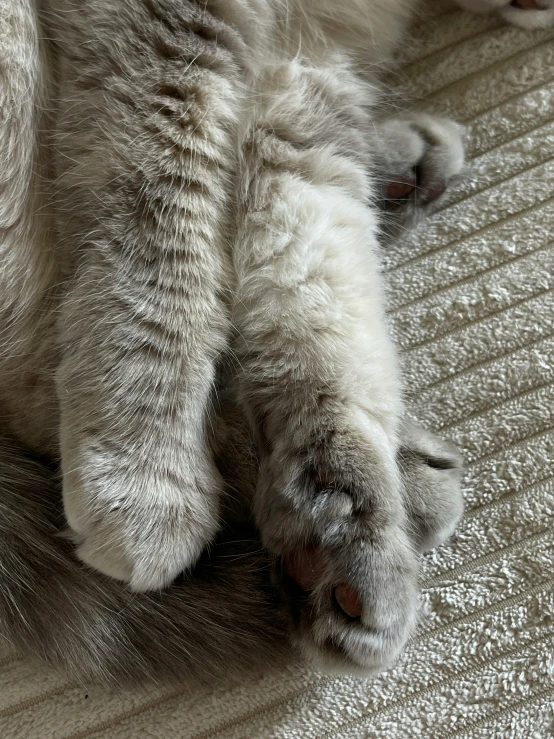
(473, 310)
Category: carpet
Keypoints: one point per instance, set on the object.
(472, 309)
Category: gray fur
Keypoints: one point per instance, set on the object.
(188, 184)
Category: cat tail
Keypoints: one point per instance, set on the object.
(218, 621)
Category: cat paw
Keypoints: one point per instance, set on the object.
(528, 14)
(431, 484)
(135, 523)
(345, 566)
(420, 156)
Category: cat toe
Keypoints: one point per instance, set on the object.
(431, 475)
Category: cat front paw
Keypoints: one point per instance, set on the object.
(136, 521)
(345, 566)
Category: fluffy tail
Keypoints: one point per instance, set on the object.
(221, 618)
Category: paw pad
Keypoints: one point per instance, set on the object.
(400, 188)
(349, 600)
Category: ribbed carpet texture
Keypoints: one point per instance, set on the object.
(472, 307)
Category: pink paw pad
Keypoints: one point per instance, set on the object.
(307, 566)
(400, 188)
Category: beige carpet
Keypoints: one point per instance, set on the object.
(473, 309)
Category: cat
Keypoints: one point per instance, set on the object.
(193, 326)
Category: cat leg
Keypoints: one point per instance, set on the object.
(525, 13)
(416, 157)
(28, 270)
(318, 375)
(147, 156)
